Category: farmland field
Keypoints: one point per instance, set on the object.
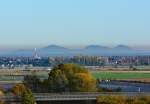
(17, 75)
(120, 67)
(120, 74)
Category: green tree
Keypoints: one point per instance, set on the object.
(32, 82)
(28, 98)
(59, 82)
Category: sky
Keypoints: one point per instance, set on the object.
(74, 23)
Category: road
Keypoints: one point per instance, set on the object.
(71, 96)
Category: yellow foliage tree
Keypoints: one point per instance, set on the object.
(2, 94)
(84, 82)
(19, 89)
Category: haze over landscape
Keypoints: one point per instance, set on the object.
(74, 23)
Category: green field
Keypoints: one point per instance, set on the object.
(97, 74)
(111, 75)
(142, 67)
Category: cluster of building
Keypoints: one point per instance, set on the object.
(101, 60)
(129, 60)
(12, 62)
(82, 60)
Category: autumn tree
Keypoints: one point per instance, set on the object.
(19, 89)
(70, 78)
(24, 92)
(83, 82)
(2, 94)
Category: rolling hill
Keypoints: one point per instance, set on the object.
(54, 50)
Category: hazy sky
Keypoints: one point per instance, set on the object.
(74, 22)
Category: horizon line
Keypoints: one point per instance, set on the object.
(7, 48)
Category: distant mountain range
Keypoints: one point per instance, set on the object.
(54, 50)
